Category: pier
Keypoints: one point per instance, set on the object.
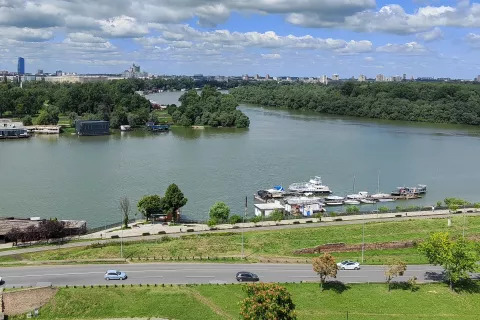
(42, 129)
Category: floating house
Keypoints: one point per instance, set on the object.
(266, 209)
(12, 130)
(92, 127)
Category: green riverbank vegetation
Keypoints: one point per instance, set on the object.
(277, 245)
(209, 108)
(361, 301)
(409, 101)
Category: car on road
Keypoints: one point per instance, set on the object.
(348, 265)
(244, 276)
(115, 275)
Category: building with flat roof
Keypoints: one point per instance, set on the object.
(92, 127)
(266, 209)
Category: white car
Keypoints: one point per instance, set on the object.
(348, 265)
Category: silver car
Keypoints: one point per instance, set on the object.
(115, 275)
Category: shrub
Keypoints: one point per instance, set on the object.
(352, 209)
(256, 219)
(235, 219)
(27, 120)
(383, 209)
(277, 215)
(219, 211)
(267, 301)
(165, 239)
(212, 222)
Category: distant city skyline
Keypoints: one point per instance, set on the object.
(424, 38)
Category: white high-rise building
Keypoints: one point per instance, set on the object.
(323, 79)
(335, 77)
(362, 78)
(380, 78)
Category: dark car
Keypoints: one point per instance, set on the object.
(246, 276)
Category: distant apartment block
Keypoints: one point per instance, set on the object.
(362, 78)
(76, 79)
(380, 78)
(478, 78)
(323, 79)
(335, 77)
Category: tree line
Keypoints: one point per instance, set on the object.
(209, 108)
(409, 101)
(45, 230)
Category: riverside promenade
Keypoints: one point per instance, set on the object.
(145, 232)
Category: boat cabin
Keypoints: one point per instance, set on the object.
(92, 127)
(266, 209)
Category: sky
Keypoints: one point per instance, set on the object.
(421, 38)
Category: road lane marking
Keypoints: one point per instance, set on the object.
(199, 276)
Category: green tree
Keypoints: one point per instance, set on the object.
(457, 256)
(383, 209)
(353, 209)
(277, 215)
(149, 205)
(173, 200)
(439, 203)
(394, 269)
(48, 114)
(27, 120)
(220, 212)
(325, 266)
(267, 301)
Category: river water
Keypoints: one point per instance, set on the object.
(72, 177)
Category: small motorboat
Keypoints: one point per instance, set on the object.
(351, 202)
(367, 201)
(386, 200)
(125, 128)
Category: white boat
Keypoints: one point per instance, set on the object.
(351, 202)
(314, 185)
(358, 196)
(367, 201)
(125, 128)
(303, 200)
(334, 201)
(277, 192)
(386, 200)
(379, 196)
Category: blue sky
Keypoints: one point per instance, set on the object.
(439, 38)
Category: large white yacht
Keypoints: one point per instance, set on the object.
(314, 185)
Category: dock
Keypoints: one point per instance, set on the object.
(43, 129)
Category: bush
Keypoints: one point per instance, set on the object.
(212, 222)
(353, 209)
(27, 121)
(165, 239)
(267, 301)
(235, 219)
(220, 212)
(256, 219)
(383, 209)
(277, 215)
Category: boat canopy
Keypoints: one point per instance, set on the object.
(279, 188)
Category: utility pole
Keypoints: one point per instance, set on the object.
(363, 235)
(121, 236)
(464, 220)
(243, 224)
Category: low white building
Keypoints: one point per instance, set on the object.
(265, 209)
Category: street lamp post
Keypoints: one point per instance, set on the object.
(363, 235)
(243, 226)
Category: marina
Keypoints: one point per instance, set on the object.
(307, 198)
(12, 130)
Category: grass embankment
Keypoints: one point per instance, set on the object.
(275, 244)
(362, 301)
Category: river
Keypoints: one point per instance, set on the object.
(72, 177)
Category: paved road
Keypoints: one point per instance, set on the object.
(175, 235)
(186, 273)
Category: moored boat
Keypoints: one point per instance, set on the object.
(351, 202)
(125, 128)
(334, 201)
(367, 201)
(314, 185)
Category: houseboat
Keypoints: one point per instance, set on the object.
(12, 130)
(43, 129)
(92, 127)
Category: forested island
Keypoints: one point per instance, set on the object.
(44, 103)
(410, 101)
(209, 108)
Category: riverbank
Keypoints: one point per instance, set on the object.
(266, 243)
(372, 301)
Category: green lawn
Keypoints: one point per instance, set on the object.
(362, 301)
(277, 243)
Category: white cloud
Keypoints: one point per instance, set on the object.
(410, 48)
(473, 40)
(123, 27)
(85, 38)
(26, 34)
(432, 35)
(271, 56)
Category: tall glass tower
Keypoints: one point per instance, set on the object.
(21, 66)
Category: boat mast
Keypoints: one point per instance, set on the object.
(354, 184)
(378, 182)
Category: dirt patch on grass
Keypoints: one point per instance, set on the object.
(23, 301)
(343, 247)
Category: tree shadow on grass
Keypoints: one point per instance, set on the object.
(336, 286)
(467, 286)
